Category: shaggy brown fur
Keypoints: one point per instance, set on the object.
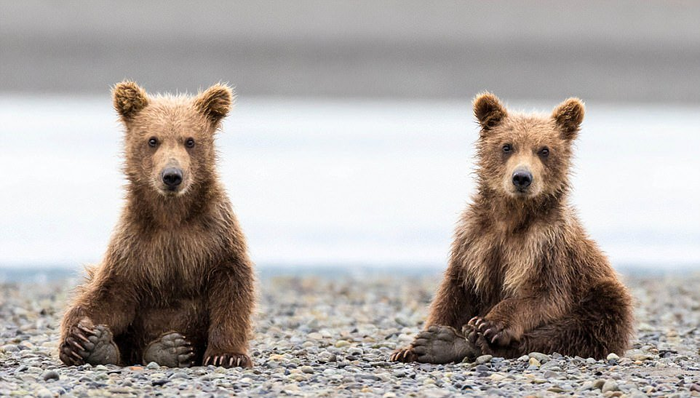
(176, 275)
(524, 276)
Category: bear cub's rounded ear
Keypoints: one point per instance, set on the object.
(215, 102)
(568, 116)
(129, 99)
(488, 110)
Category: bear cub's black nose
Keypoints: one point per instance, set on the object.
(522, 179)
(172, 177)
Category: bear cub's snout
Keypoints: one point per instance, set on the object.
(522, 179)
(172, 177)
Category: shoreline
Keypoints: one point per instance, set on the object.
(42, 274)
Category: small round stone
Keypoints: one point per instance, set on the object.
(152, 366)
(610, 385)
(484, 359)
(9, 348)
(43, 392)
(50, 375)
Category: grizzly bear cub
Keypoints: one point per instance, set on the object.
(176, 286)
(523, 275)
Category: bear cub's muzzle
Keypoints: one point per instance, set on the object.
(172, 178)
(522, 179)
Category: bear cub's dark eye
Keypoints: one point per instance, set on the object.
(507, 148)
(189, 143)
(152, 142)
(544, 152)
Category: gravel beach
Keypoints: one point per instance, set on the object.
(332, 335)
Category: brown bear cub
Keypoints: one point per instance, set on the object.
(176, 286)
(523, 275)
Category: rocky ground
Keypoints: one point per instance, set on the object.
(328, 336)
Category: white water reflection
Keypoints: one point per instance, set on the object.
(345, 182)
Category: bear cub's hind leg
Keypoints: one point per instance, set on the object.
(437, 344)
(86, 343)
(171, 349)
(443, 344)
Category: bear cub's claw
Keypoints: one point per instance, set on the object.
(229, 360)
(171, 349)
(493, 332)
(88, 344)
(403, 355)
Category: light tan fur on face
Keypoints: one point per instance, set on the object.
(171, 120)
(528, 135)
(171, 153)
(527, 161)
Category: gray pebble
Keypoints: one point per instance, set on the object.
(542, 358)
(398, 373)
(326, 357)
(550, 375)
(152, 366)
(10, 348)
(484, 359)
(482, 368)
(587, 385)
(610, 385)
(43, 392)
(50, 375)
(179, 375)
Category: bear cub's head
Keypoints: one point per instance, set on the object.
(169, 144)
(525, 156)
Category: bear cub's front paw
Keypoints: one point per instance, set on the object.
(86, 343)
(493, 332)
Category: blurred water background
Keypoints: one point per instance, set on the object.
(352, 141)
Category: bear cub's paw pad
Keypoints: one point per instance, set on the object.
(403, 355)
(171, 349)
(441, 344)
(87, 344)
(229, 360)
(493, 332)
